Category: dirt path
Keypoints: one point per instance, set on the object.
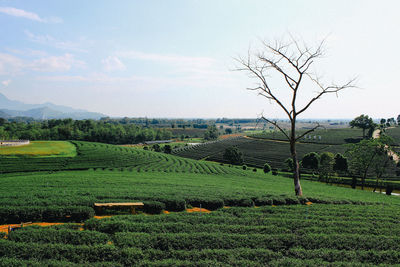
(376, 134)
(391, 153)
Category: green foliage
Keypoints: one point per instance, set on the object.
(364, 122)
(368, 155)
(167, 149)
(114, 132)
(233, 155)
(310, 161)
(211, 133)
(228, 130)
(153, 207)
(340, 164)
(326, 162)
(244, 167)
(289, 163)
(266, 168)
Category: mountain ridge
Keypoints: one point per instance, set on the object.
(14, 108)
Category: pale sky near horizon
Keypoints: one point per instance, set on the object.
(175, 58)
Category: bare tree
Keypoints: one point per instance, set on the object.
(291, 61)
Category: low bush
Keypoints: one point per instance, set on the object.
(153, 207)
(266, 168)
(241, 202)
(210, 204)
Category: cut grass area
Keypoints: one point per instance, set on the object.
(41, 149)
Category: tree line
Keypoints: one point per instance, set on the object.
(83, 130)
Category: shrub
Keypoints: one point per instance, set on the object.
(244, 167)
(274, 171)
(233, 155)
(255, 170)
(210, 204)
(243, 202)
(267, 168)
(153, 207)
(263, 201)
(389, 189)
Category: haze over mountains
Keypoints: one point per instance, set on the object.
(12, 108)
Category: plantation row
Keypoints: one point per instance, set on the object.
(103, 156)
(70, 195)
(256, 152)
(316, 235)
(319, 136)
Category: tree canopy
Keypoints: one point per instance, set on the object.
(364, 122)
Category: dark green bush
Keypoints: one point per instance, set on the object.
(242, 202)
(263, 201)
(65, 236)
(244, 167)
(210, 204)
(153, 207)
(266, 168)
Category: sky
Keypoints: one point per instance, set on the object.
(177, 58)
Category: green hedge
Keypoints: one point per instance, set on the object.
(43, 235)
(153, 207)
(210, 204)
(20, 214)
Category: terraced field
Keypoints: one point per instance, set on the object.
(316, 235)
(103, 156)
(395, 134)
(256, 151)
(319, 136)
(263, 225)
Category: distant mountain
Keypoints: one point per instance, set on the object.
(11, 108)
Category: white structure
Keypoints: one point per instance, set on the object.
(14, 142)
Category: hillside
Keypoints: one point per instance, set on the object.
(247, 218)
(256, 151)
(12, 108)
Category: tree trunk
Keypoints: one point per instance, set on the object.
(296, 170)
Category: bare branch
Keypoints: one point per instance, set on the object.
(309, 131)
(276, 125)
(326, 90)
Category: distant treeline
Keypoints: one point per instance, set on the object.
(105, 131)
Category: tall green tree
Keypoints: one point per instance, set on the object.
(211, 133)
(233, 155)
(326, 162)
(366, 156)
(364, 122)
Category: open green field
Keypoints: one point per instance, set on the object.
(265, 224)
(41, 149)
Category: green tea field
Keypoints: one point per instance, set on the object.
(256, 151)
(246, 218)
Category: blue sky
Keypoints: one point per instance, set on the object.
(175, 58)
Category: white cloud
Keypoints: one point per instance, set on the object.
(113, 63)
(51, 41)
(6, 82)
(10, 64)
(181, 62)
(28, 15)
(56, 64)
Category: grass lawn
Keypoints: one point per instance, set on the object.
(41, 148)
